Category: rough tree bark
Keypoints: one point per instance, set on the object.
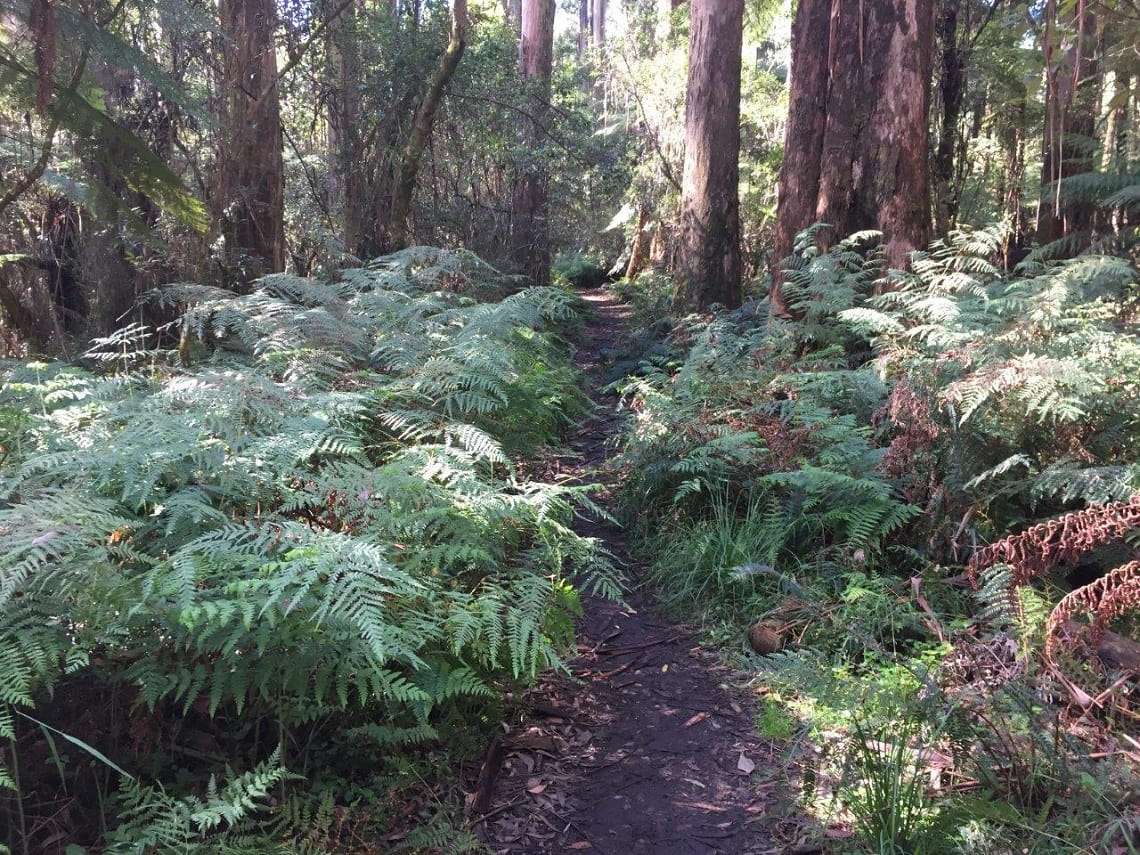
(425, 119)
(952, 88)
(249, 202)
(857, 142)
(710, 264)
(530, 225)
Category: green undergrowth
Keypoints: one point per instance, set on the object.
(256, 576)
(827, 478)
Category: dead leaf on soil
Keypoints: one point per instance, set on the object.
(583, 845)
(746, 766)
(697, 719)
(534, 786)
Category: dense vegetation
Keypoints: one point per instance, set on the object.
(295, 537)
(271, 555)
(826, 481)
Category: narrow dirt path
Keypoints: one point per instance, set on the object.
(641, 749)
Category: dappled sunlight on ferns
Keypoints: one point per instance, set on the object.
(311, 508)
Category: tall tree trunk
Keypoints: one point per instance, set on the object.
(710, 263)
(1010, 132)
(1131, 142)
(1116, 134)
(530, 224)
(425, 119)
(598, 22)
(1115, 147)
(1071, 107)
(250, 198)
(857, 141)
(512, 10)
(952, 88)
(803, 149)
(583, 29)
(640, 246)
(346, 183)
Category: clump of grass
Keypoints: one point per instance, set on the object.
(717, 564)
(886, 785)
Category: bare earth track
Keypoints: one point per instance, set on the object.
(641, 749)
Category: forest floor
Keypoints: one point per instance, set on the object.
(643, 747)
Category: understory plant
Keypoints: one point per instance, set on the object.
(838, 476)
(294, 527)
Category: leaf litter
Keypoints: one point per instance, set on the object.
(640, 748)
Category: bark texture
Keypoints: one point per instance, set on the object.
(857, 145)
(530, 224)
(250, 197)
(952, 89)
(710, 264)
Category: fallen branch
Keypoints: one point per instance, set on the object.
(605, 675)
(634, 648)
(500, 809)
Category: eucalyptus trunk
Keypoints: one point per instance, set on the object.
(249, 202)
(951, 88)
(346, 181)
(583, 29)
(857, 144)
(710, 263)
(530, 223)
(1115, 147)
(598, 22)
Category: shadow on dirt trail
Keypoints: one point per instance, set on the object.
(642, 748)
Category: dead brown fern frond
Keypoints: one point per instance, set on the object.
(1105, 599)
(1036, 549)
(916, 434)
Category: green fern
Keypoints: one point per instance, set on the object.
(302, 525)
(223, 821)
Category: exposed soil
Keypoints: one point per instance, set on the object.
(642, 748)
